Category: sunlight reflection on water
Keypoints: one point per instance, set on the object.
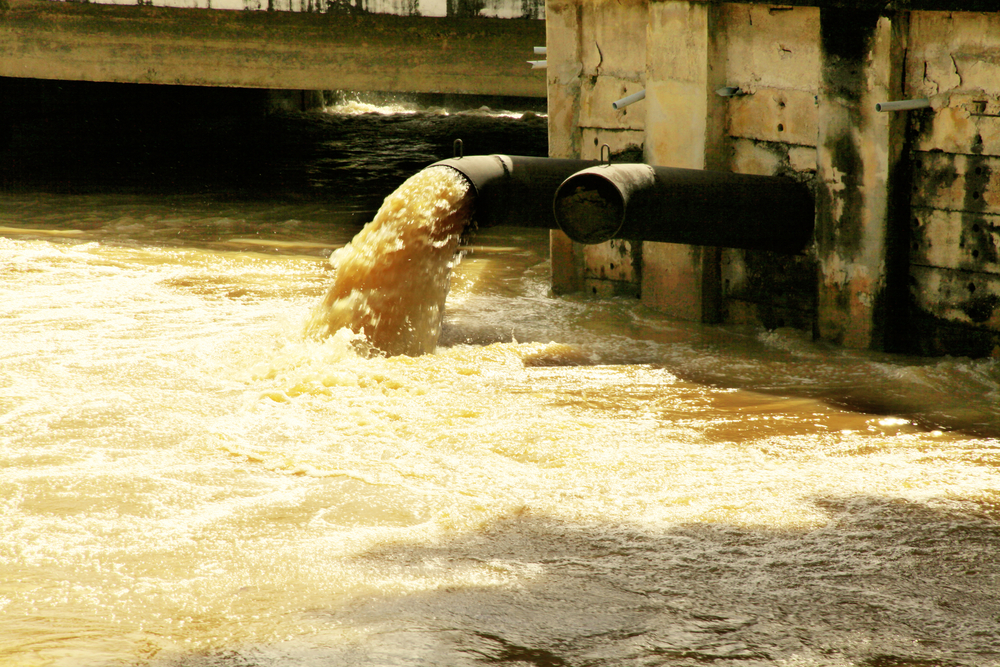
(185, 479)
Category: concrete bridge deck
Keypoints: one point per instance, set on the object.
(346, 50)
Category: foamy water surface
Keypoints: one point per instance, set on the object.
(186, 478)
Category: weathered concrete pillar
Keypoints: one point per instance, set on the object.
(684, 127)
(596, 55)
(564, 67)
(563, 70)
(858, 154)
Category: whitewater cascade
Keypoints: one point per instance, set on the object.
(391, 281)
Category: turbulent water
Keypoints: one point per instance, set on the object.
(187, 479)
(391, 281)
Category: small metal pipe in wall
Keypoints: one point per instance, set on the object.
(729, 91)
(710, 208)
(631, 99)
(538, 64)
(903, 105)
(514, 190)
(540, 50)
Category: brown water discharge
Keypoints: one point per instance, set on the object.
(188, 481)
(391, 280)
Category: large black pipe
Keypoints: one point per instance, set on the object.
(514, 190)
(714, 208)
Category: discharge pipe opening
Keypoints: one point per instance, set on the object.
(665, 204)
(514, 190)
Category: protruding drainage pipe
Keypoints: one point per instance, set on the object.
(630, 99)
(713, 208)
(730, 91)
(903, 105)
(514, 190)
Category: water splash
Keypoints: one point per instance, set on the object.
(392, 279)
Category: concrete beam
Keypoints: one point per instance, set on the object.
(279, 50)
(881, 6)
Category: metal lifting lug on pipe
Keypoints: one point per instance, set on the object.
(514, 190)
(709, 208)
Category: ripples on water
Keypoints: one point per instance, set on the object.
(187, 480)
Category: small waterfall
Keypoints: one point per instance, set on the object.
(391, 281)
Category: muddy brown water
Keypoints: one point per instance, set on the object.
(188, 479)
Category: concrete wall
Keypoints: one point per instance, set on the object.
(504, 9)
(906, 254)
(954, 251)
(275, 50)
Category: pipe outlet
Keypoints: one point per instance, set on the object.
(697, 207)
